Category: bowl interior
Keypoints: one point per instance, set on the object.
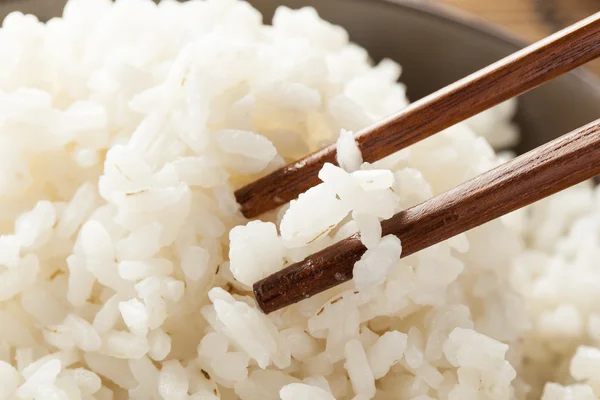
(435, 48)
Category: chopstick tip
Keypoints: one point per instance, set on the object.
(265, 306)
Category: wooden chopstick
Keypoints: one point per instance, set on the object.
(501, 81)
(564, 162)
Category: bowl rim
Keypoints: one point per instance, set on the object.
(469, 21)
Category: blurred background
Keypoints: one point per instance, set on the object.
(532, 19)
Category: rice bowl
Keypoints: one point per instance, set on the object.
(126, 266)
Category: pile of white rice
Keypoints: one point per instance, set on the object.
(126, 267)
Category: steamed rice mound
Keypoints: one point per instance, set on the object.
(126, 266)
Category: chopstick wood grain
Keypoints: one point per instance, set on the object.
(501, 81)
(564, 162)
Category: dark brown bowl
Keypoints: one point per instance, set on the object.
(435, 46)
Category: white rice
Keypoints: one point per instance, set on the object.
(126, 266)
